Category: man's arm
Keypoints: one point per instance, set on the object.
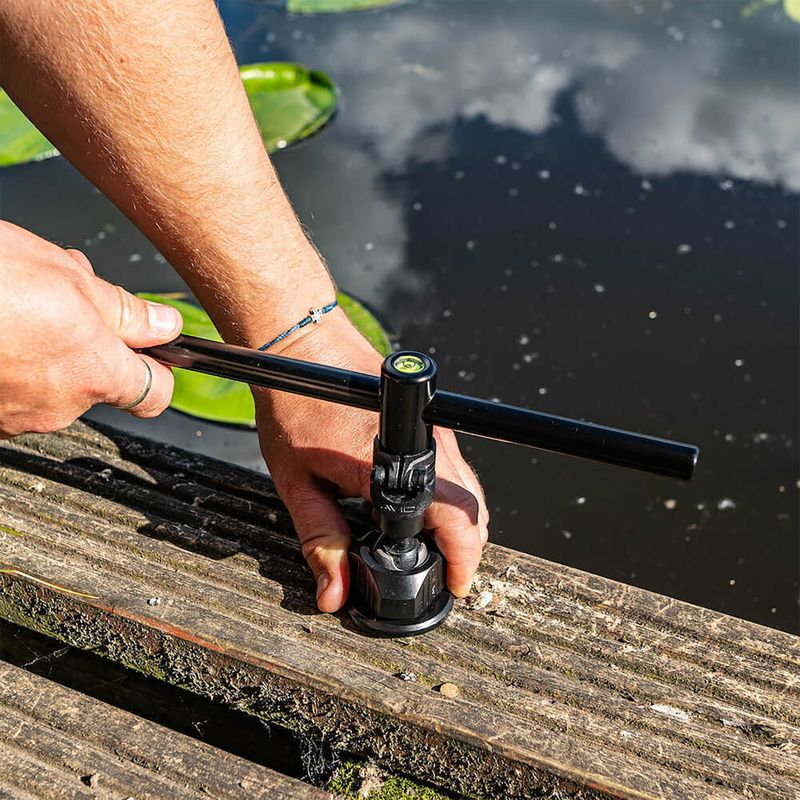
(144, 97)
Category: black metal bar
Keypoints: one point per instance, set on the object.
(562, 435)
(271, 372)
(404, 398)
(459, 412)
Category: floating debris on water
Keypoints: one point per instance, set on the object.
(599, 288)
(683, 249)
(544, 174)
(726, 504)
(670, 504)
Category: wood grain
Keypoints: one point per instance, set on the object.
(58, 743)
(570, 685)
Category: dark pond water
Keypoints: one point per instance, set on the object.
(590, 208)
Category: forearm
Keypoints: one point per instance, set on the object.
(144, 97)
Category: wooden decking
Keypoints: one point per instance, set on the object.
(59, 743)
(570, 685)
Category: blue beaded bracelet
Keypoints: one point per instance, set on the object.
(314, 316)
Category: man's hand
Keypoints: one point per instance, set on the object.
(66, 337)
(112, 84)
(318, 451)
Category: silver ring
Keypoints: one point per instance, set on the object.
(148, 384)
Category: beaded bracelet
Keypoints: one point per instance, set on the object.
(314, 316)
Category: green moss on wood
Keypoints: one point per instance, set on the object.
(357, 781)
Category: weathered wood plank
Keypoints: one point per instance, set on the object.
(58, 743)
(570, 684)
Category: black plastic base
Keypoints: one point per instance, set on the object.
(394, 628)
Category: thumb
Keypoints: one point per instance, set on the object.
(139, 323)
(325, 538)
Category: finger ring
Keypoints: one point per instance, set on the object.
(148, 383)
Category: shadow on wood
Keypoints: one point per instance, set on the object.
(569, 684)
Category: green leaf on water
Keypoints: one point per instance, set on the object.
(333, 6)
(365, 323)
(289, 101)
(221, 400)
(792, 9)
(20, 139)
(205, 396)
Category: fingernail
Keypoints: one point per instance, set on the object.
(322, 583)
(162, 319)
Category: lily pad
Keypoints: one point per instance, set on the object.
(791, 7)
(230, 402)
(289, 101)
(333, 6)
(20, 139)
(365, 323)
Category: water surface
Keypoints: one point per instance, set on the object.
(590, 208)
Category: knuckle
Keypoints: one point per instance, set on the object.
(125, 311)
(77, 258)
(156, 402)
(313, 551)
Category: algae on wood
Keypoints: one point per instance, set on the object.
(571, 685)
